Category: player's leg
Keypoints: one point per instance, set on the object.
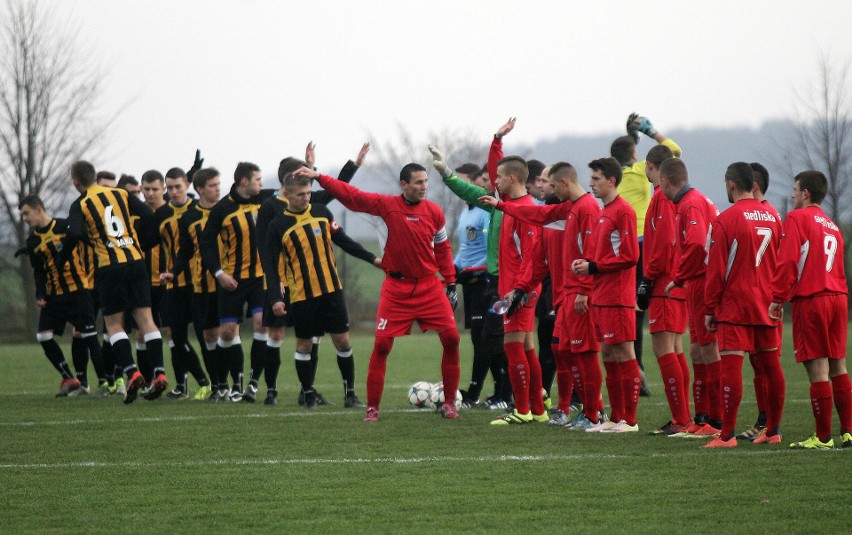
(334, 319)
(769, 356)
(840, 383)
(546, 358)
(304, 370)
(272, 362)
(55, 356)
(629, 382)
(536, 391)
(475, 309)
(257, 356)
(376, 370)
(663, 343)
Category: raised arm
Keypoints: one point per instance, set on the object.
(495, 154)
(348, 195)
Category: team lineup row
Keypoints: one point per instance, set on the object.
(652, 242)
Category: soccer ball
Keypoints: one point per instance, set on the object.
(418, 394)
(436, 395)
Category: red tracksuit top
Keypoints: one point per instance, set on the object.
(810, 257)
(693, 217)
(417, 245)
(616, 254)
(742, 258)
(659, 258)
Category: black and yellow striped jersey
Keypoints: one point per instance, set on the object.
(229, 241)
(166, 220)
(192, 224)
(305, 242)
(155, 263)
(44, 246)
(103, 217)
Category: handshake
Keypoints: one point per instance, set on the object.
(637, 123)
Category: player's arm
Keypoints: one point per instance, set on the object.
(208, 243)
(265, 215)
(352, 247)
(495, 152)
(270, 254)
(147, 230)
(348, 195)
(75, 231)
(180, 263)
(530, 237)
(787, 263)
(39, 273)
(657, 243)
(539, 267)
(714, 279)
(469, 193)
(538, 215)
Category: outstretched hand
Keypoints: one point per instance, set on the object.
(196, 164)
(310, 154)
(306, 171)
(633, 126)
(488, 200)
(439, 163)
(365, 148)
(506, 128)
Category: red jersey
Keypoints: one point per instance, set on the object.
(743, 245)
(658, 254)
(417, 245)
(519, 248)
(693, 217)
(616, 253)
(810, 258)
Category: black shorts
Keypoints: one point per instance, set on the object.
(75, 308)
(205, 310)
(269, 317)
(243, 302)
(475, 301)
(178, 306)
(320, 315)
(124, 288)
(492, 331)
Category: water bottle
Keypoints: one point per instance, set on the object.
(500, 307)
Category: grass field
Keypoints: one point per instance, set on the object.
(96, 466)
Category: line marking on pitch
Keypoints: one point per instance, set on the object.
(377, 460)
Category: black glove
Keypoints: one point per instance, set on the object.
(22, 251)
(633, 127)
(517, 300)
(196, 165)
(643, 293)
(452, 296)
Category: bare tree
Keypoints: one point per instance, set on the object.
(48, 100)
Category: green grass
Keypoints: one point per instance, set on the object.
(83, 465)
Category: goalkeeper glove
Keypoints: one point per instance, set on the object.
(644, 125)
(196, 165)
(633, 127)
(452, 296)
(643, 293)
(518, 299)
(439, 163)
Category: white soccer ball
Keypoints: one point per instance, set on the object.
(418, 394)
(436, 395)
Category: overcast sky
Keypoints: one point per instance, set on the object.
(255, 80)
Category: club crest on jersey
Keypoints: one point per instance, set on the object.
(58, 247)
(471, 233)
(317, 231)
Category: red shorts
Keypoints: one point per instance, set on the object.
(402, 302)
(578, 333)
(523, 319)
(819, 327)
(698, 333)
(748, 338)
(614, 325)
(666, 314)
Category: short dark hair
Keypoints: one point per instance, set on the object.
(608, 166)
(623, 149)
(176, 172)
(658, 154)
(408, 170)
(293, 181)
(104, 175)
(201, 177)
(815, 182)
(84, 173)
(516, 165)
(152, 175)
(287, 166)
(244, 170)
(127, 179)
(741, 174)
(563, 171)
(534, 168)
(33, 201)
(761, 176)
(674, 169)
(468, 169)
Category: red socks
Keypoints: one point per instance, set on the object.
(536, 386)
(821, 405)
(842, 387)
(564, 376)
(714, 389)
(592, 381)
(699, 388)
(760, 384)
(775, 388)
(673, 381)
(450, 369)
(732, 387)
(631, 383)
(376, 370)
(519, 375)
(613, 388)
